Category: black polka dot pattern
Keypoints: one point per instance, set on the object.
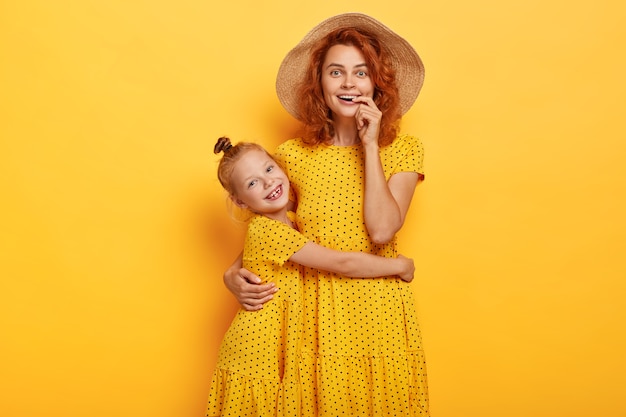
(256, 373)
(326, 345)
(361, 349)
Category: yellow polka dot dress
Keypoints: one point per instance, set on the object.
(361, 352)
(257, 368)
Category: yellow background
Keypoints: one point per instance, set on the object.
(115, 233)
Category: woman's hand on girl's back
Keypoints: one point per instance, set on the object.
(247, 288)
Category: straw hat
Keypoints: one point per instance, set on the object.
(406, 62)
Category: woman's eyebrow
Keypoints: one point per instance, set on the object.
(332, 64)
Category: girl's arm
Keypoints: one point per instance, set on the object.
(246, 286)
(353, 264)
(386, 202)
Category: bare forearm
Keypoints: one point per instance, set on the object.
(353, 264)
(365, 265)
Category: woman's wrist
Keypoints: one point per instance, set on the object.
(371, 147)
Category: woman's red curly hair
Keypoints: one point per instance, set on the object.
(312, 109)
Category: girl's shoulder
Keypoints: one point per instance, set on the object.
(266, 228)
(271, 240)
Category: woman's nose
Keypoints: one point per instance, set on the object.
(347, 82)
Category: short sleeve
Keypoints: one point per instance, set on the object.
(405, 154)
(289, 154)
(271, 241)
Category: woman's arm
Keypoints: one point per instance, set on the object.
(353, 264)
(386, 202)
(247, 287)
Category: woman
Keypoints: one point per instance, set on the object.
(349, 81)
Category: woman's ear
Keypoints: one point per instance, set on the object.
(238, 202)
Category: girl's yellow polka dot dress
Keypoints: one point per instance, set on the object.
(361, 352)
(257, 368)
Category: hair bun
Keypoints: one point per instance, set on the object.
(223, 145)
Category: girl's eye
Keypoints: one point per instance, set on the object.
(251, 183)
(270, 168)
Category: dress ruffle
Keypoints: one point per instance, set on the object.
(237, 395)
(353, 380)
(357, 391)
(254, 397)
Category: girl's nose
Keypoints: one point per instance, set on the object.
(268, 182)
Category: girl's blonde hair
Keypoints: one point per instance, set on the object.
(232, 153)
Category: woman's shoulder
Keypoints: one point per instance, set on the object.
(294, 150)
(291, 144)
(406, 139)
(403, 143)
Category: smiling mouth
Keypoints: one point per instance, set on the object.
(347, 98)
(278, 191)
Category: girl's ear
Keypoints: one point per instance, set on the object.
(238, 202)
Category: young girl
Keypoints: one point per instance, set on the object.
(257, 370)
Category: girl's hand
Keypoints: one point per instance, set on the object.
(367, 120)
(247, 288)
(408, 268)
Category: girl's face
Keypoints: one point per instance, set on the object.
(260, 185)
(344, 77)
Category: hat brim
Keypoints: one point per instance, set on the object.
(405, 60)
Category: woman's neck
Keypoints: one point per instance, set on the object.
(346, 133)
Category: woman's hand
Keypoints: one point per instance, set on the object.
(368, 120)
(247, 288)
(408, 268)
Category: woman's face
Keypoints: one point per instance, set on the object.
(259, 184)
(345, 76)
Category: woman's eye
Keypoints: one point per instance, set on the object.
(335, 72)
(361, 73)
